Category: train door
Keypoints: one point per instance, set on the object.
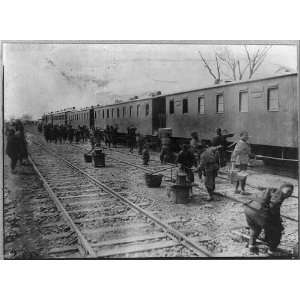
(92, 118)
(158, 114)
(66, 118)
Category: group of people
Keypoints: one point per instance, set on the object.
(16, 146)
(206, 157)
(65, 133)
(108, 136)
(262, 212)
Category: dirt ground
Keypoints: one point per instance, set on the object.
(22, 192)
(209, 224)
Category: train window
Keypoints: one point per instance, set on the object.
(112, 112)
(118, 112)
(220, 103)
(103, 114)
(243, 102)
(137, 110)
(130, 111)
(95, 115)
(107, 113)
(147, 109)
(201, 109)
(124, 111)
(171, 106)
(273, 99)
(185, 107)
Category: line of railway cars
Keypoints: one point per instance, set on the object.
(267, 108)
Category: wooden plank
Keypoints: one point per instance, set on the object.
(103, 230)
(56, 236)
(101, 218)
(72, 187)
(85, 202)
(63, 183)
(76, 199)
(53, 224)
(137, 248)
(75, 193)
(118, 205)
(131, 239)
(63, 249)
(82, 196)
(95, 209)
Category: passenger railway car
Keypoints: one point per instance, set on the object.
(267, 108)
(61, 117)
(82, 117)
(147, 115)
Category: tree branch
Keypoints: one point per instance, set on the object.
(207, 66)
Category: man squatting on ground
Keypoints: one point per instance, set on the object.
(263, 213)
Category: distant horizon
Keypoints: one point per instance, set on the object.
(40, 78)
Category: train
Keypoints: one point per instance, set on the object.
(266, 107)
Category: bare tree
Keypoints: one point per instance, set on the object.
(256, 59)
(226, 65)
(216, 74)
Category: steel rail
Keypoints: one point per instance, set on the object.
(222, 177)
(217, 193)
(84, 243)
(170, 164)
(132, 164)
(200, 251)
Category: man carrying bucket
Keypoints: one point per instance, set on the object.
(186, 161)
(240, 159)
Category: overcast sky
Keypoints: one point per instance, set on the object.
(46, 77)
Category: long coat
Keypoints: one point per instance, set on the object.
(13, 147)
(241, 153)
(264, 211)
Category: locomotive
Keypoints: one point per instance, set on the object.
(267, 108)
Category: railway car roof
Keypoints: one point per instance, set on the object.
(180, 92)
(200, 89)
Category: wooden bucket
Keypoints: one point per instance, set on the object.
(153, 180)
(87, 157)
(181, 179)
(180, 193)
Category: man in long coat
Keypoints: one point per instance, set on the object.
(209, 165)
(13, 149)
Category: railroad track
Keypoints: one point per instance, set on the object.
(173, 165)
(50, 236)
(224, 191)
(107, 223)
